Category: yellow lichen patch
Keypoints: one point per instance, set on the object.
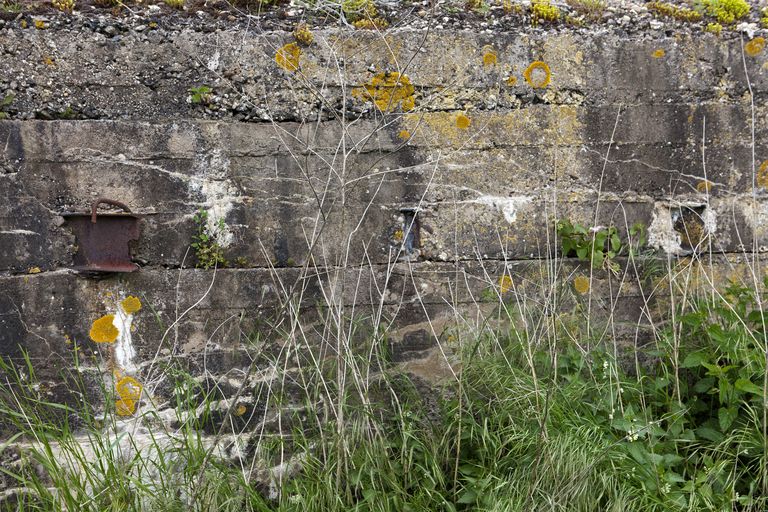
(404, 134)
(130, 305)
(762, 175)
(510, 81)
(581, 284)
(489, 57)
(129, 388)
(755, 46)
(48, 60)
(240, 410)
(103, 330)
(657, 54)
(387, 91)
(704, 186)
(398, 235)
(462, 122)
(40, 25)
(505, 284)
(34, 270)
(537, 74)
(287, 57)
(125, 407)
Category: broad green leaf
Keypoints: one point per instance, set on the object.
(747, 386)
(726, 416)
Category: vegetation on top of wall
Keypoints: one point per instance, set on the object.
(64, 5)
(727, 11)
(542, 11)
(592, 10)
(672, 11)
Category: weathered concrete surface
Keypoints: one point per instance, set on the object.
(315, 190)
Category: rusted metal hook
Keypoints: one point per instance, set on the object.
(104, 200)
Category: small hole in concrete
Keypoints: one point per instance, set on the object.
(411, 233)
(688, 221)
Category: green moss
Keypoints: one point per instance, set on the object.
(764, 18)
(675, 12)
(727, 11)
(542, 11)
(355, 10)
(714, 28)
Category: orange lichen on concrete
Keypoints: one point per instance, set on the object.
(287, 57)
(505, 284)
(489, 56)
(537, 74)
(581, 284)
(103, 330)
(657, 54)
(762, 175)
(755, 46)
(704, 186)
(129, 388)
(511, 81)
(130, 305)
(462, 122)
(125, 407)
(241, 409)
(387, 91)
(404, 134)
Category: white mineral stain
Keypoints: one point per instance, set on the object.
(508, 206)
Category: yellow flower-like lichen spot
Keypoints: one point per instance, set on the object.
(657, 54)
(387, 91)
(581, 284)
(129, 388)
(240, 410)
(704, 186)
(537, 74)
(287, 57)
(755, 46)
(489, 56)
(103, 330)
(404, 134)
(511, 81)
(505, 283)
(462, 122)
(762, 175)
(130, 305)
(125, 407)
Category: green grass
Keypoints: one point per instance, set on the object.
(533, 422)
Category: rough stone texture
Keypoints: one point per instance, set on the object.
(316, 188)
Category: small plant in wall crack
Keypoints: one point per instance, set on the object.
(200, 95)
(4, 103)
(205, 242)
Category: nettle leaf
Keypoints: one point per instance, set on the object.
(747, 386)
(726, 417)
(695, 359)
(704, 385)
(709, 434)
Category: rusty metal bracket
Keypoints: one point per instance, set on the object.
(103, 239)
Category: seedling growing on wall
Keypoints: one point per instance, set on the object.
(598, 245)
(205, 242)
(4, 103)
(200, 95)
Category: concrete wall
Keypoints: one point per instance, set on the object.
(314, 185)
